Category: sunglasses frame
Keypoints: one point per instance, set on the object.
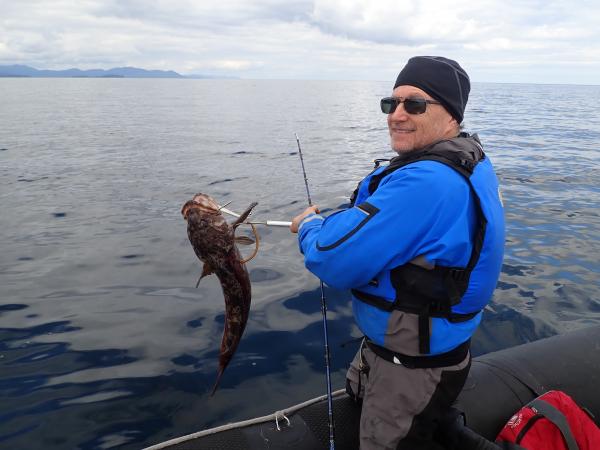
(412, 105)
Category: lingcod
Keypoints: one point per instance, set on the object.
(214, 243)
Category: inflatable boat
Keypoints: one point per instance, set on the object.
(499, 384)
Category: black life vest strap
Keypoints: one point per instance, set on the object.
(424, 311)
(385, 305)
(451, 358)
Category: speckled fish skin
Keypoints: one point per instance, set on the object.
(213, 240)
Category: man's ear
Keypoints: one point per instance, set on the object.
(453, 125)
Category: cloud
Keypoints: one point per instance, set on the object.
(214, 16)
(463, 22)
(386, 21)
(348, 39)
(234, 64)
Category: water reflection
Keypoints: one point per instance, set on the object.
(105, 343)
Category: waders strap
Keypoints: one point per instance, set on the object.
(450, 358)
(424, 332)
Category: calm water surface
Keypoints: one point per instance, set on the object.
(105, 342)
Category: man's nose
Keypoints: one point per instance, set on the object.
(399, 113)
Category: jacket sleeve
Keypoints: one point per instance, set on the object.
(408, 215)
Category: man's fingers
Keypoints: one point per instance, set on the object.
(296, 220)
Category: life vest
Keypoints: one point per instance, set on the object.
(439, 292)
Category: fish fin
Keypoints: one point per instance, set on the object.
(216, 385)
(244, 240)
(206, 270)
(244, 215)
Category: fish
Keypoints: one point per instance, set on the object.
(214, 243)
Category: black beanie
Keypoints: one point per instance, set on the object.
(441, 78)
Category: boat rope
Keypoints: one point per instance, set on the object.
(281, 414)
(245, 423)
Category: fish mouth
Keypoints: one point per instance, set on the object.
(202, 202)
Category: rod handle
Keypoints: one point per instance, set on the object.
(278, 223)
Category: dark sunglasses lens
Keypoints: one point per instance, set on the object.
(415, 105)
(388, 105)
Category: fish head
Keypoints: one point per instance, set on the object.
(210, 235)
(202, 203)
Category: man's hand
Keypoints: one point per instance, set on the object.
(296, 220)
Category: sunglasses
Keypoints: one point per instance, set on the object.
(412, 105)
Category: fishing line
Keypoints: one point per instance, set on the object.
(324, 314)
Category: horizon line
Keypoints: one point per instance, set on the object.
(230, 77)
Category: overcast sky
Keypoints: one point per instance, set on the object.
(495, 40)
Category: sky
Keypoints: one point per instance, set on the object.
(525, 41)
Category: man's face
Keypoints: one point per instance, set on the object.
(413, 131)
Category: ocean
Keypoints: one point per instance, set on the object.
(105, 341)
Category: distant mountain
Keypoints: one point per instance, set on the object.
(117, 72)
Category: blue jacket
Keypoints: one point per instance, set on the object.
(425, 209)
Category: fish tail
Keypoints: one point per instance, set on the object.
(216, 385)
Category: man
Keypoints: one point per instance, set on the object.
(421, 249)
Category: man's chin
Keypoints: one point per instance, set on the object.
(403, 145)
(402, 148)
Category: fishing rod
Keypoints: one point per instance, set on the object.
(324, 314)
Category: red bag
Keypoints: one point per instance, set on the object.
(552, 421)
